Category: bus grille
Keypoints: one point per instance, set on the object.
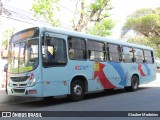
(19, 85)
(19, 90)
(19, 79)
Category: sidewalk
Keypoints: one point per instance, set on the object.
(2, 90)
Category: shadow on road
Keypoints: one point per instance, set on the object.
(64, 99)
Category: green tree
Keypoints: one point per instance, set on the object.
(130, 22)
(95, 14)
(148, 25)
(145, 23)
(102, 29)
(46, 9)
(6, 36)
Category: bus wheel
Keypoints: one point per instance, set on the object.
(134, 84)
(77, 90)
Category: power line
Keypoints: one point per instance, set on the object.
(67, 9)
(20, 15)
(18, 20)
(75, 13)
(11, 13)
(30, 22)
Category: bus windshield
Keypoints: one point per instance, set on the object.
(23, 56)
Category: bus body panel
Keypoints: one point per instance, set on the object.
(55, 81)
(84, 68)
(100, 75)
(55, 78)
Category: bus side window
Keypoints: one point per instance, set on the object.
(77, 48)
(115, 52)
(139, 56)
(96, 50)
(149, 57)
(128, 54)
(54, 52)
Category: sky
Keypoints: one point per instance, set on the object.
(121, 9)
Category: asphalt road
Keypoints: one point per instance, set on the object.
(147, 98)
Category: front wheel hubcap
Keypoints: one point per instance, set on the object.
(135, 84)
(77, 90)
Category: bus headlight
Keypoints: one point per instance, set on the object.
(32, 80)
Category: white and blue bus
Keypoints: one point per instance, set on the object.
(46, 62)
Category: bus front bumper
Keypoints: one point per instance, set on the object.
(34, 91)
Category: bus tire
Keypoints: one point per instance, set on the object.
(134, 84)
(77, 90)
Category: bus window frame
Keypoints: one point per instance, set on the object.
(120, 45)
(135, 59)
(152, 56)
(85, 41)
(104, 51)
(132, 59)
(45, 37)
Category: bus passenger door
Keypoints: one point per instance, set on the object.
(54, 62)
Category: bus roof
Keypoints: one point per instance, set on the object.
(92, 37)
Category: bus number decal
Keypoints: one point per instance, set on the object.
(81, 67)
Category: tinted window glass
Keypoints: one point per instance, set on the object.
(148, 56)
(54, 52)
(77, 48)
(127, 54)
(139, 57)
(114, 52)
(96, 50)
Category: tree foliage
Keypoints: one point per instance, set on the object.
(6, 36)
(90, 16)
(102, 29)
(94, 14)
(148, 25)
(141, 12)
(145, 23)
(46, 9)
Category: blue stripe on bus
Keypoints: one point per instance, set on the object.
(120, 71)
(148, 70)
